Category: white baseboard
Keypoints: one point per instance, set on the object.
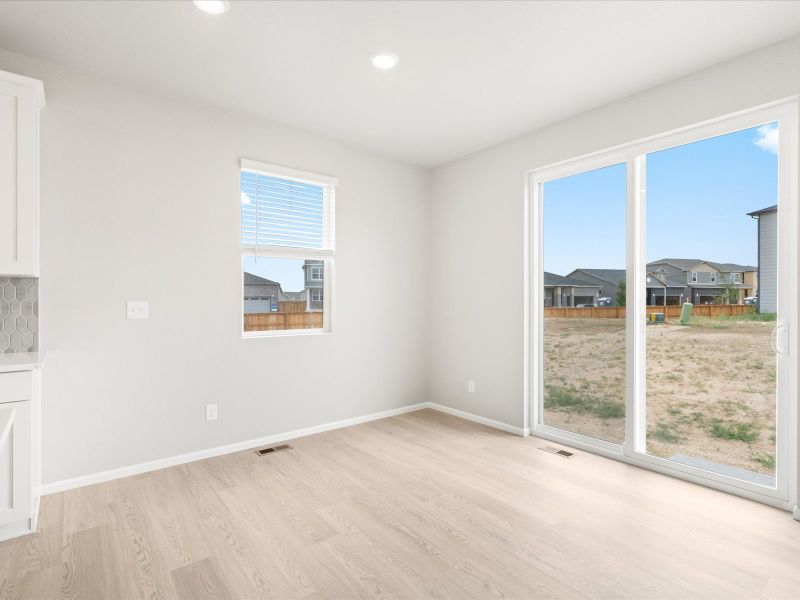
(521, 431)
(162, 463)
(171, 461)
(18, 529)
(796, 512)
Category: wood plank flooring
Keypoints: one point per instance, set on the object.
(422, 505)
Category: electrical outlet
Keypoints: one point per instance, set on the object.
(471, 386)
(137, 309)
(211, 412)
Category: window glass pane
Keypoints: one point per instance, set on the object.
(584, 303)
(711, 242)
(280, 293)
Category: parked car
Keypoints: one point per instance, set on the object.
(751, 300)
(604, 302)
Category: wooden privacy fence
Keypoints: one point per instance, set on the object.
(295, 306)
(282, 320)
(618, 312)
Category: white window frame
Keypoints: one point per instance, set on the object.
(326, 254)
(321, 292)
(317, 268)
(693, 277)
(633, 451)
(712, 277)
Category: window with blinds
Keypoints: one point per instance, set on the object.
(288, 243)
(283, 208)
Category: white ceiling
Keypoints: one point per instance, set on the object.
(471, 74)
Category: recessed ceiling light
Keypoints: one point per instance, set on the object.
(212, 7)
(385, 60)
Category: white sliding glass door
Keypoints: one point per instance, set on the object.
(664, 303)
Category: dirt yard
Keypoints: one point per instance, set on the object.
(710, 387)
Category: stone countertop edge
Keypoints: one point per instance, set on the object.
(21, 361)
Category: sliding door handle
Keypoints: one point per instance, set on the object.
(779, 339)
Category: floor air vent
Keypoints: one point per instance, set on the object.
(271, 449)
(558, 451)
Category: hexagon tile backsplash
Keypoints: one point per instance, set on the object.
(19, 314)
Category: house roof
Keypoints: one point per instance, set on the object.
(613, 276)
(250, 279)
(667, 278)
(687, 263)
(295, 296)
(552, 279)
(731, 267)
(755, 213)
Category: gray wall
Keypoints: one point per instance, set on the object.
(768, 262)
(140, 200)
(489, 344)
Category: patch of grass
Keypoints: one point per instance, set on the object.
(727, 321)
(572, 399)
(664, 433)
(743, 432)
(611, 410)
(751, 316)
(698, 417)
(765, 460)
(563, 397)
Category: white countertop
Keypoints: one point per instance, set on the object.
(21, 361)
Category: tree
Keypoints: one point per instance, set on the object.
(728, 295)
(620, 298)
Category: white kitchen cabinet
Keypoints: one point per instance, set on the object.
(21, 99)
(19, 452)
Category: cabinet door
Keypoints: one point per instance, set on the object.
(19, 180)
(15, 461)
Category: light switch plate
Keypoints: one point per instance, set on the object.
(137, 309)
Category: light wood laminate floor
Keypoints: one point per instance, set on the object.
(419, 505)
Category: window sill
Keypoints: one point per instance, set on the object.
(249, 335)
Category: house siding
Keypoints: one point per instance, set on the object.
(768, 262)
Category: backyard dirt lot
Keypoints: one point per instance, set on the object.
(710, 387)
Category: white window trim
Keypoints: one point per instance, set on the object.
(326, 254)
(785, 494)
(693, 278)
(320, 269)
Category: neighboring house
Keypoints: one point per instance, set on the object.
(607, 279)
(767, 258)
(262, 295)
(314, 284)
(565, 291)
(697, 281)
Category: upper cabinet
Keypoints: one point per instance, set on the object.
(21, 98)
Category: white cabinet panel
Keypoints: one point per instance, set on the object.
(8, 171)
(19, 452)
(20, 101)
(15, 462)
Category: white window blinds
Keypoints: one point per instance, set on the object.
(286, 209)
